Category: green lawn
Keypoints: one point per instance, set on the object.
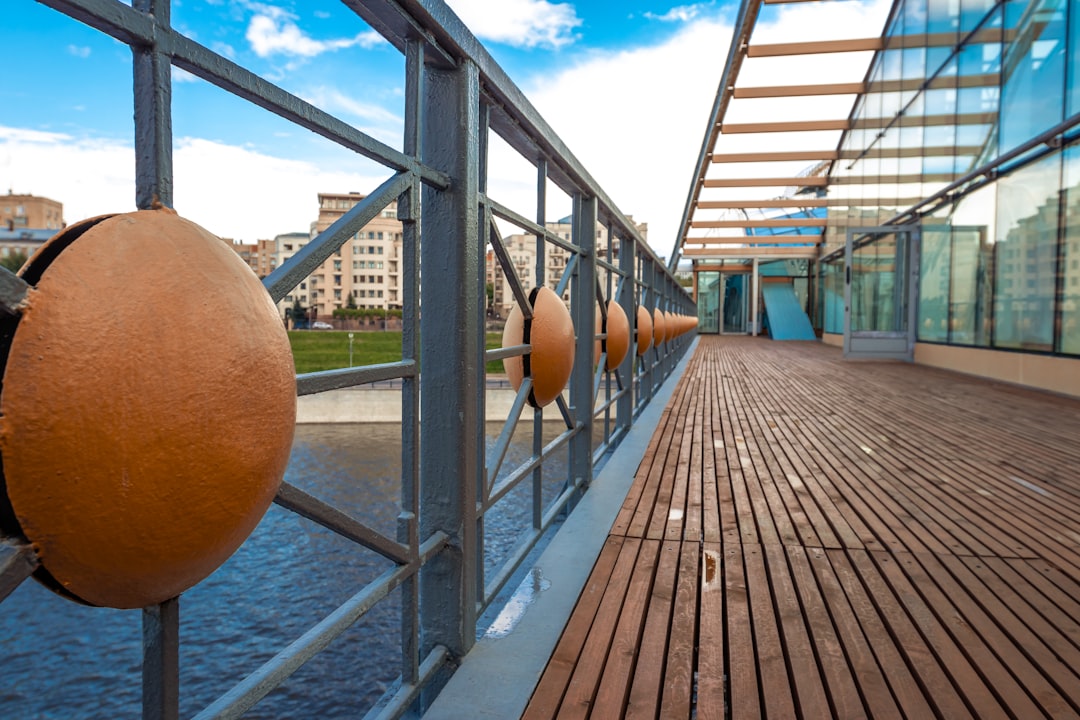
(315, 350)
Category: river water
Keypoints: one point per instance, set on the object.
(65, 661)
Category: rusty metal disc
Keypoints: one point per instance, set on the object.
(148, 402)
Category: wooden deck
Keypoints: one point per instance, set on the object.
(808, 537)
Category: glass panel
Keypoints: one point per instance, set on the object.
(1034, 70)
(934, 283)
(878, 274)
(1069, 341)
(969, 299)
(972, 216)
(1073, 80)
(708, 302)
(1026, 256)
(833, 297)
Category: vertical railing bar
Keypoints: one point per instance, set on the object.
(408, 212)
(484, 219)
(161, 661)
(541, 280)
(153, 114)
(452, 363)
(582, 294)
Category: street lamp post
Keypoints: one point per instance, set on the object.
(350, 349)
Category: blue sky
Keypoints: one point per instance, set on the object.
(627, 85)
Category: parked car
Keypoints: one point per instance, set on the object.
(320, 325)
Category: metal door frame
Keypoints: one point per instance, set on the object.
(884, 345)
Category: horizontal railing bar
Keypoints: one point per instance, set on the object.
(272, 673)
(109, 16)
(306, 505)
(13, 290)
(317, 382)
(506, 352)
(294, 270)
(406, 693)
(17, 562)
(501, 211)
(521, 472)
(526, 544)
(613, 269)
(609, 403)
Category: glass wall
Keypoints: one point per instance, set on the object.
(999, 265)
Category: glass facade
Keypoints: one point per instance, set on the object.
(959, 84)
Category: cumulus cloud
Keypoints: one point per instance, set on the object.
(273, 31)
(232, 191)
(521, 23)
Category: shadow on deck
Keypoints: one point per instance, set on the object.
(808, 537)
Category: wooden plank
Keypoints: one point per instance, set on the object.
(816, 47)
(742, 665)
(614, 690)
(768, 646)
(803, 667)
(772, 91)
(580, 692)
(646, 687)
(711, 640)
(984, 680)
(904, 687)
(549, 692)
(678, 695)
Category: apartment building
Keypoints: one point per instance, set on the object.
(25, 212)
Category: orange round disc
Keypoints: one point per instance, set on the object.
(149, 402)
(659, 327)
(618, 335)
(669, 326)
(551, 334)
(644, 330)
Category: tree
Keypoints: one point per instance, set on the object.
(351, 302)
(14, 261)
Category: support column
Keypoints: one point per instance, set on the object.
(754, 299)
(624, 408)
(452, 368)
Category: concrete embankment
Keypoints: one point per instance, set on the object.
(381, 403)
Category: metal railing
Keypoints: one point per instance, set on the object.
(455, 97)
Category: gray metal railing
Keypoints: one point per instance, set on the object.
(455, 96)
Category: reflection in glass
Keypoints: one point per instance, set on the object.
(934, 283)
(708, 302)
(1069, 339)
(878, 278)
(833, 296)
(1033, 69)
(1026, 256)
(970, 295)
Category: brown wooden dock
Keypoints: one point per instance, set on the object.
(808, 537)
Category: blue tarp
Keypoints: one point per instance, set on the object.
(785, 315)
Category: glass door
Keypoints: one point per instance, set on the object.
(735, 296)
(879, 304)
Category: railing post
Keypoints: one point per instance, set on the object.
(583, 312)
(452, 368)
(624, 408)
(161, 661)
(153, 116)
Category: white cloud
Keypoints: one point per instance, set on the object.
(180, 75)
(680, 13)
(273, 31)
(648, 109)
(521, 23)
(79, 51)
(231, 191)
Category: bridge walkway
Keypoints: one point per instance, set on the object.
(809, 537)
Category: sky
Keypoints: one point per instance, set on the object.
(628, 86)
